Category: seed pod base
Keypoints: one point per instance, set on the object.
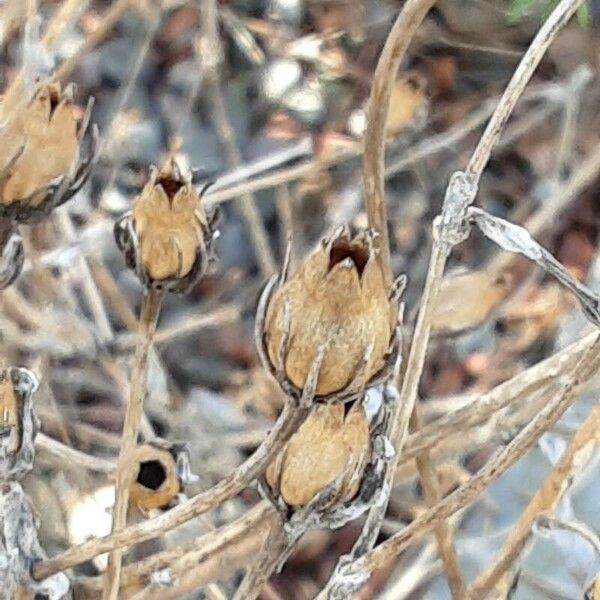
(329, 451)
(45, 165)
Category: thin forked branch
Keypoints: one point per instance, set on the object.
(289, 421)
(571, 386)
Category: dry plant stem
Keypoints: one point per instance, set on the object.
(218, 545)
(106, 23)
(518, 387)
(408, 21)
(289, 421)
(550, 523)
(88, 284)
(571, 386)
(226, 135)
(108, 20)
(443, 529)
(557, 19)
(64, 15)
(274, 546)
(572, 462)
(389, 62)
(460, 194)
(112, 294)
(547, 216)
(66, 454)
(151, 303)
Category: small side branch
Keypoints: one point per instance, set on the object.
(579, 450)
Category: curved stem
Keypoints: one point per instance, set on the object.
(557, 19)
(393, 53)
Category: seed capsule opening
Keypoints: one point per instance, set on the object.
(170, 186)
(151, 474)
(342, 248)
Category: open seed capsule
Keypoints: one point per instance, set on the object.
(167, 236)
(338, 298)
(41, 165)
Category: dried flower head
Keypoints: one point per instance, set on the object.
(18, 424)
(338, 298)
(330, 448)
(162, 471)
(167, 237)
(41, 165)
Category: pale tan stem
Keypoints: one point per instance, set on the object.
(226, 134)
(151, 303)
(559, 17)
(443, 529)
(105, 25)
(458, 199)
(210, 556)
(393, 53)
(389, 62)
(108, 20)
(577, 453)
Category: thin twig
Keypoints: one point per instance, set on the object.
(289, 421)
(211, 63)
(549, 522)
(516, 388)
(572, 462)
(571, 386)
(64, 15)
(217, 546)
(559, 17)
(107, 21)
(67, 455)
(151, 303)
(443, 530)
(273, 548)
(88, 284)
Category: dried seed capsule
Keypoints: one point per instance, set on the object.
(41, 165)
(167, 237)
(338, 297)
(18, 424)
(329, 448)
(162, 472)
